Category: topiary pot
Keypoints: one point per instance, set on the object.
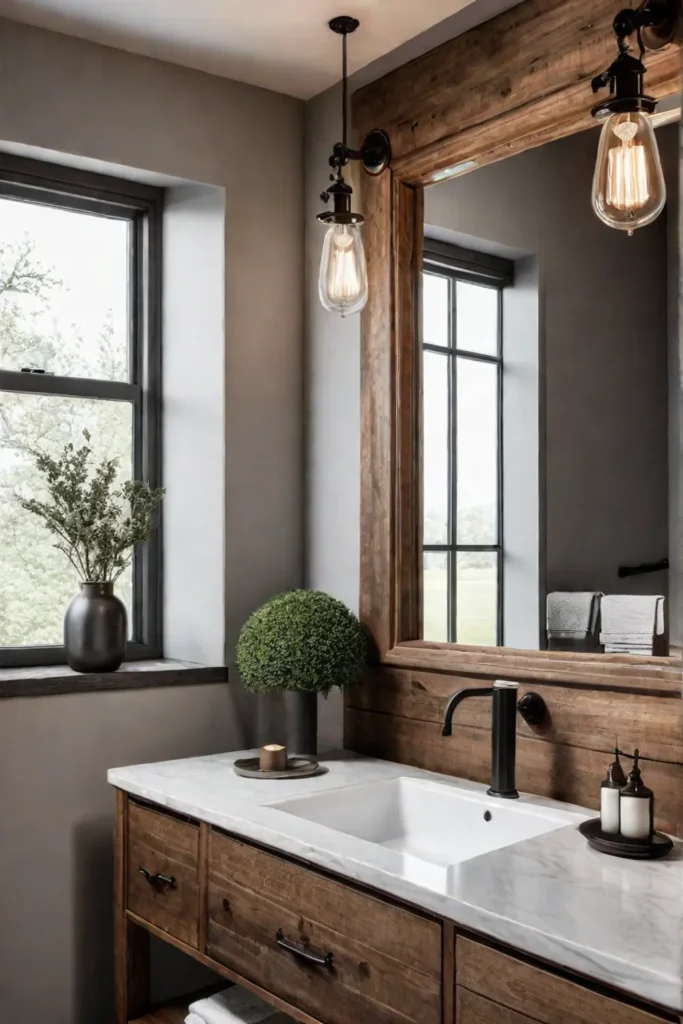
(301, 708)
(304, 642)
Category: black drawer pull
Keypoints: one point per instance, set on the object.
(159, 882)
(304, 952)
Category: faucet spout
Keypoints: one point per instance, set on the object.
(503, 728)
(455, 699)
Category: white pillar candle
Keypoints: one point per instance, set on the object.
(635, 817)
(272, 758)
(609, 809)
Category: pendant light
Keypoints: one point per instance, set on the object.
(343, 279)
(628, 185)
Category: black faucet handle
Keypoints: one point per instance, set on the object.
(532, 708)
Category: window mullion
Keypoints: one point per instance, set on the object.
(68, 387)
(136, 322)
(500, 509)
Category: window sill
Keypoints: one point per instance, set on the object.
(51, 680)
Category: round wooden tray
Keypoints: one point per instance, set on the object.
(620, 846)
(297, 768)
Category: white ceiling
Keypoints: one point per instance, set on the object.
(279, 44)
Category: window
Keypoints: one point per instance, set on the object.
(462, 354)
(79, 349)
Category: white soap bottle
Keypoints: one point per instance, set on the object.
(610, 795)
(636, 806)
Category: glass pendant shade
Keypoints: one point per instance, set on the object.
(628, 187)
(343, 281)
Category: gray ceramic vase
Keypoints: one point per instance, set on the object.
(95, 629)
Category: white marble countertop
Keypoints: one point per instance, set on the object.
(617, 921)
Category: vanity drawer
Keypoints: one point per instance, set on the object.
(381, 963)
(473, 1009)
(529, 992)
(161, 845)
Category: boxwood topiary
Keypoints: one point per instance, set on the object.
(301, 640)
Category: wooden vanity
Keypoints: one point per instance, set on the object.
(314, 945)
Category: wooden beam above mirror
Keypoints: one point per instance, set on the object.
(516, 81)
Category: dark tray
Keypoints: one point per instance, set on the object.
(297, 768)
(619, 846)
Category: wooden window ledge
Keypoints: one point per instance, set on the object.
(50, 680)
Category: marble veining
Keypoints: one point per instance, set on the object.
(617, 921)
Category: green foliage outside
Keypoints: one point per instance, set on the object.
(302, 640)
(96, 525)
(477, 605)
(36, 580)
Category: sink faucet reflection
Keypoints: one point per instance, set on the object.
(503, 728)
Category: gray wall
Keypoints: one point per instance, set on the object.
(97, 104)
(193, 310)
(522, 458)
(605, 316)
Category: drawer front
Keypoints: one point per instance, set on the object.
(161, 845)
(474, 1009)
(533, 992)
(378, 962)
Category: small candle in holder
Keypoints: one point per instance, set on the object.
(273, 758)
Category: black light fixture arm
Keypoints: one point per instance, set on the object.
(653, 23)
(375, 152)
(657, 15)
(344, 25)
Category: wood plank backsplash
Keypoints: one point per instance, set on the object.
(397, 714)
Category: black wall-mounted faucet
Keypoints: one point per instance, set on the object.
(503, 728)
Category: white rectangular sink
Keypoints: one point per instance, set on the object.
(430, 821)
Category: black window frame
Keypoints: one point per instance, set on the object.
(458, 264)
(142, 206)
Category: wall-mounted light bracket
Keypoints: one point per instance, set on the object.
(375, 150)
(374, 153)
(653, 24)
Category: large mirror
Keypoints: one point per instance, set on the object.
(550, 416)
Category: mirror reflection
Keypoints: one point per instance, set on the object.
(551, 398)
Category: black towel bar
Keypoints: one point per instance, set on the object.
(640, 570)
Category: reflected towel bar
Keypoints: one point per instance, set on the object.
(640, 570)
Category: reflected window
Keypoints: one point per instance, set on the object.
(462, 362)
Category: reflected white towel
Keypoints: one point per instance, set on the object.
(646, 649)
(628, 638)
(628, 615)
(233, 1006)
(572, 614)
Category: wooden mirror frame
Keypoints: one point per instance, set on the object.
(515, 82)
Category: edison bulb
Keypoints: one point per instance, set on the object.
(343, 281)
(628, 187)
